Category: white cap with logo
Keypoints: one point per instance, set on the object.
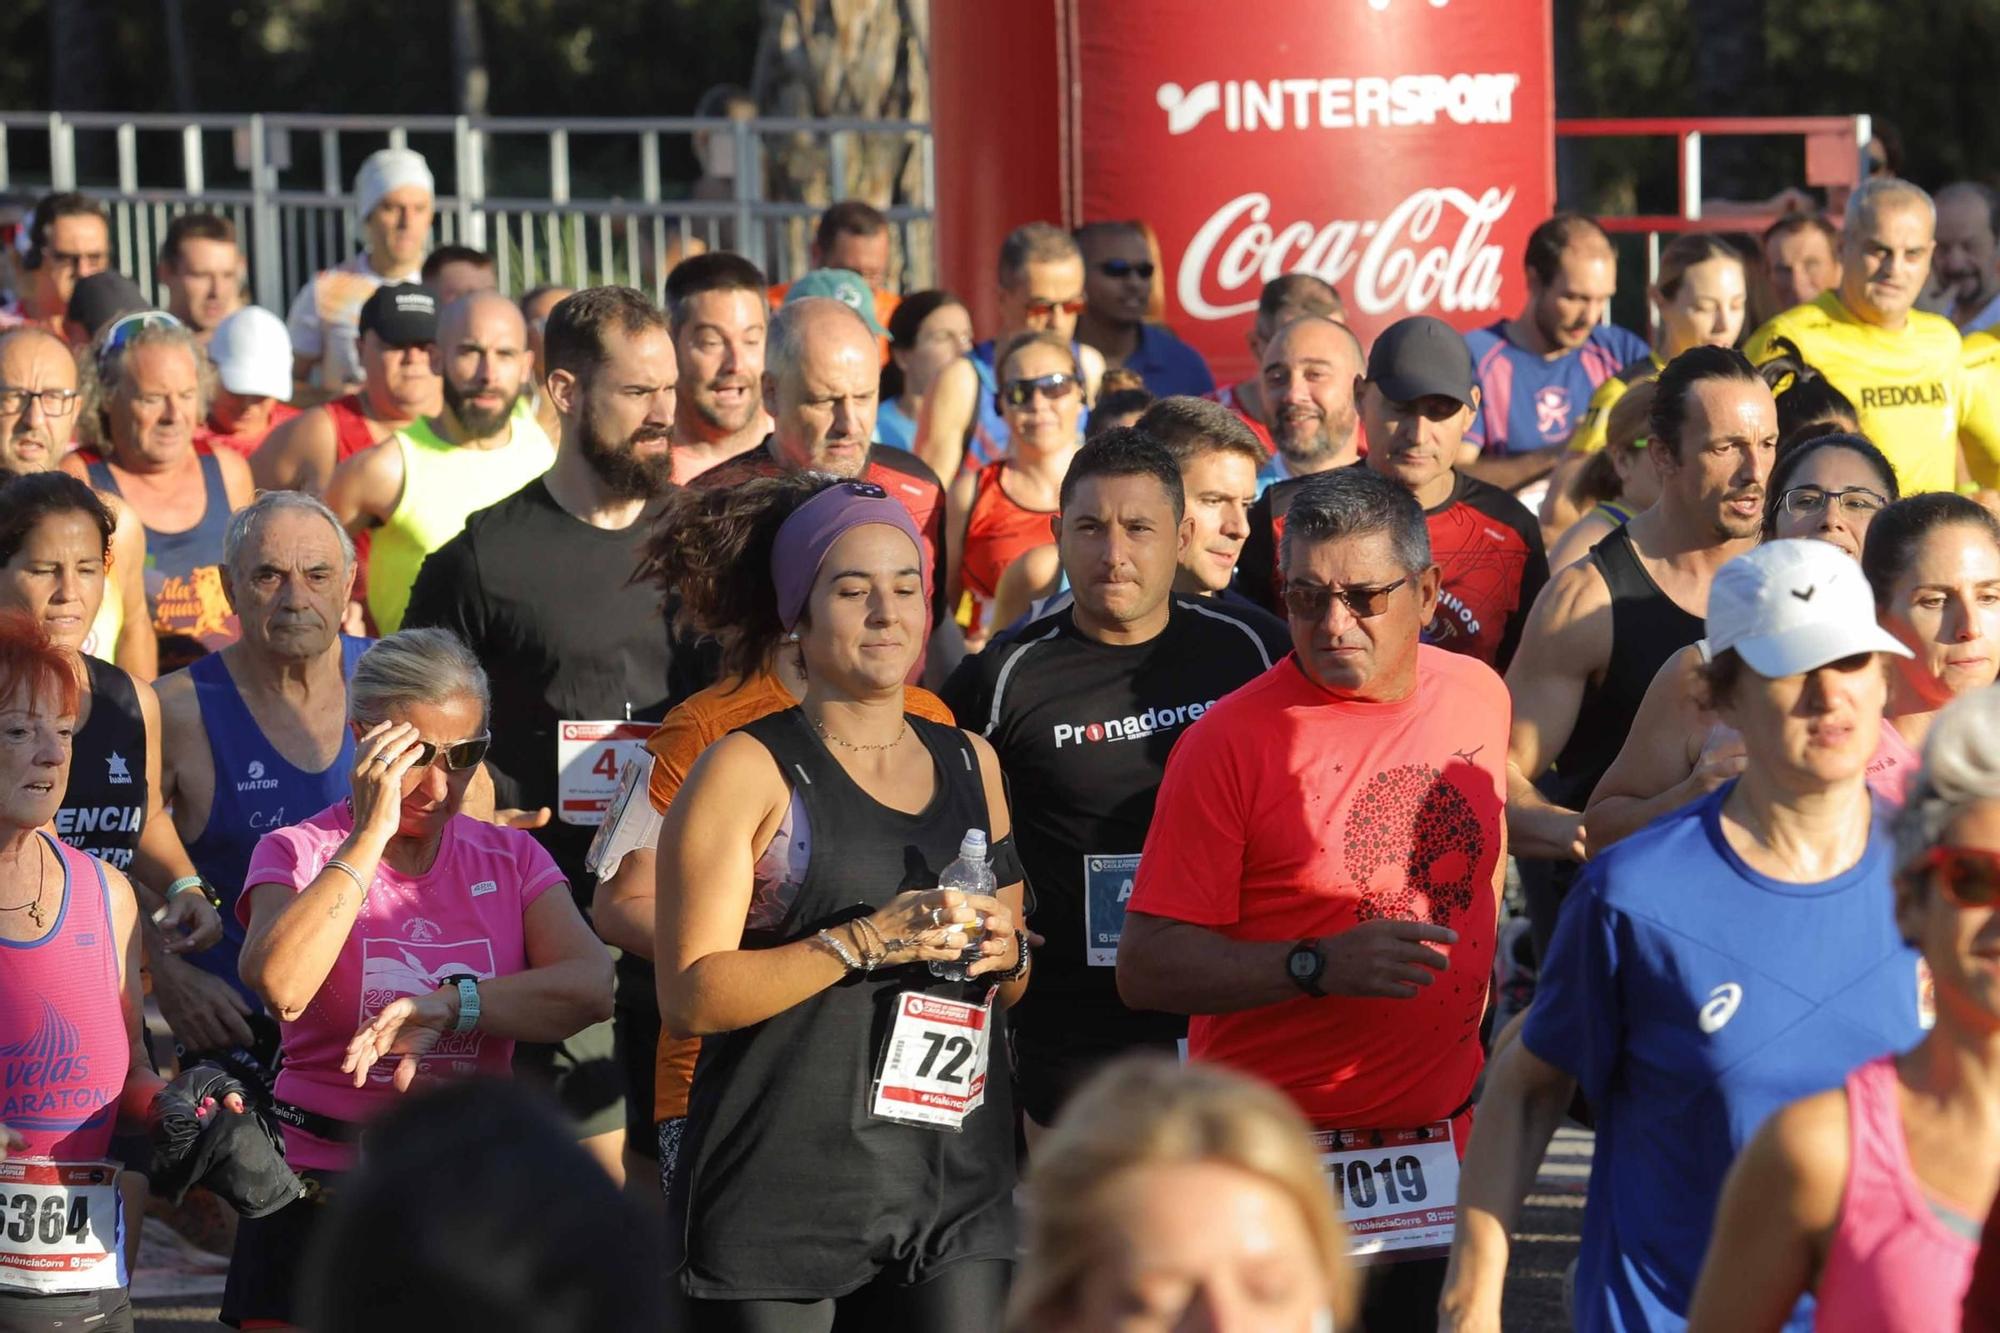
(252, 352)
(1793, 606)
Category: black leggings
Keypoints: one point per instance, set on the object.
(967, 1297)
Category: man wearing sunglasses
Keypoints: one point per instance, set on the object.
(66, 239)
(255, 736)
(1117, 295)
(1041, 282)
(1320, 885)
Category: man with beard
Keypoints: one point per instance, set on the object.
(1416, 402)
(1605, 625)
(1283, 300)
(1965, 276)
(581, 662)
(1538, 370)
(415, 489)
(1310, 367)
(716, 308)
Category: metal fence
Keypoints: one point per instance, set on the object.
(575, 202)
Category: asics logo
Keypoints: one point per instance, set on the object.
(1721, 1006)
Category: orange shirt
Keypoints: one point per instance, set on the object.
(698, 722)
(1286, 814)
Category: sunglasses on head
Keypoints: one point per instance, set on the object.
(1043, 309)
(458, 756)
(1969, 876)
(126, 327)
(1311, 601)
(1019, 393)
(1125, 268)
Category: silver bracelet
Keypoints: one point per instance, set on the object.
(840, 951)
(864, 930)
(337, 864)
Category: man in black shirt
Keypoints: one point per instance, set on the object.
(1083, 706)
(582, 663)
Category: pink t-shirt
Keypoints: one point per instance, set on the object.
(1893, 767)
(464, 916)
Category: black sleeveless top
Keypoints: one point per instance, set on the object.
(787, 1187)
(1647, 628)
(104, 806)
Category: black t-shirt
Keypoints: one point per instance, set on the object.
(546, 603)
(1083, 730)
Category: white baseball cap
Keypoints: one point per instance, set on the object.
(1788, 607)
(252, 353)
(389, 169)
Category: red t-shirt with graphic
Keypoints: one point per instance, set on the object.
(1288, 813)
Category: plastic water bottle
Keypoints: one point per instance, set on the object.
(969, 874)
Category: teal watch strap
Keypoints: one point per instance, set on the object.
(468, 1003)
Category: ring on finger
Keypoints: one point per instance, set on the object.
(937, 917)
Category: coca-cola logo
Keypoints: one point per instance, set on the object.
(1408, 261)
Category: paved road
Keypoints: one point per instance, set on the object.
(1534, 1288)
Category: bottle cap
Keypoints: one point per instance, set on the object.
(973, 844)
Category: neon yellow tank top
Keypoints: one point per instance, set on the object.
(443, 485)
(102, 641)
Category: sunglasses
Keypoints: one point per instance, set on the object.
(1810, 501)
(458, 756)
(126, 327)
(1311, 601)
(1042, 309)
(1969, 876)
(1125, 268)
(1019, 393)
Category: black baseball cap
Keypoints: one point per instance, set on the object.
(1421, 356)
(402, 314)
(103, 297)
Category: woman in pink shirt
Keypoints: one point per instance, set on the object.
(1871, 1196)
(399, 939)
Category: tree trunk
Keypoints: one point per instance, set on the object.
(848, 59)
(1730, 70)
(468, 59)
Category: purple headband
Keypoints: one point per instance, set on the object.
(809, 533)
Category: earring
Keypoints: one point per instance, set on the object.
(793, 637)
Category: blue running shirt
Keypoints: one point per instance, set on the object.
(1527, 402)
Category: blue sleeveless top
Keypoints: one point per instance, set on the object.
(256, 790)
(191, 616)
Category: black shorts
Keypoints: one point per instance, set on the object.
(1047, 1076)
(265, 1268)
(108, 1311)
(635, 1033)
(583, 1074)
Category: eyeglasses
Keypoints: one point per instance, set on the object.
(1969, 876)
(458, 756)
(1811, 501)
(1042, 309)
(1311, 601)
(1019, 393)
(1125, 268)
(126, 327)
(55, 402)
(95, 260)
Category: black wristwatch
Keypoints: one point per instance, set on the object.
(1304, 964)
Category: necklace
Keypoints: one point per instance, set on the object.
(33, 907)
(826, 735)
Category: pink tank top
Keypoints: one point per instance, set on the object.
(64, 1050)
(1892, 767)
(1894, 1266)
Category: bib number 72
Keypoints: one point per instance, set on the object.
(956, 1050)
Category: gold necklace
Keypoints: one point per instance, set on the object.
(33, 907)
(826, 735)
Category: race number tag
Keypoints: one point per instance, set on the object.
(1107, 887)
(589, 758)
(59, 1226)
(933, 1067)
(1397, 1189)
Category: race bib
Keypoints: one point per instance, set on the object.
(1107, 887)
(589, 758)
(933, 1067)
(59, 1226)
(1397, 1189)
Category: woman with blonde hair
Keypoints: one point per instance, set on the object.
(1171, 1197)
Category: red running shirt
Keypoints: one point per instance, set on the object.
(1287, 813)
(998, 531)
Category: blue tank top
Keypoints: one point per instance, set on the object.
(256, 790)
(191, 615)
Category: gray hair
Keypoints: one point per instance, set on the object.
(271, 502)
(1034, 243)
(785, 340)
(413, 666)
(1354, 502)
(101, 374)
(1871, 194)
(1961, 768)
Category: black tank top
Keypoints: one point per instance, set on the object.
(1647, 628)
(104, 806)
(788, 1189)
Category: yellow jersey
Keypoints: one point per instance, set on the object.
(1979, 425)
(1594, 430)
(1907, 386)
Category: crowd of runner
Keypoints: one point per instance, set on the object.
(1002, 833)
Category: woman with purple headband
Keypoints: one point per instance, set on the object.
(845, 1148)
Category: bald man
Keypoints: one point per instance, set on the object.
(39, 406)
(416, 489)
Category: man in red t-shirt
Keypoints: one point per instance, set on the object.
(1320, 885)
